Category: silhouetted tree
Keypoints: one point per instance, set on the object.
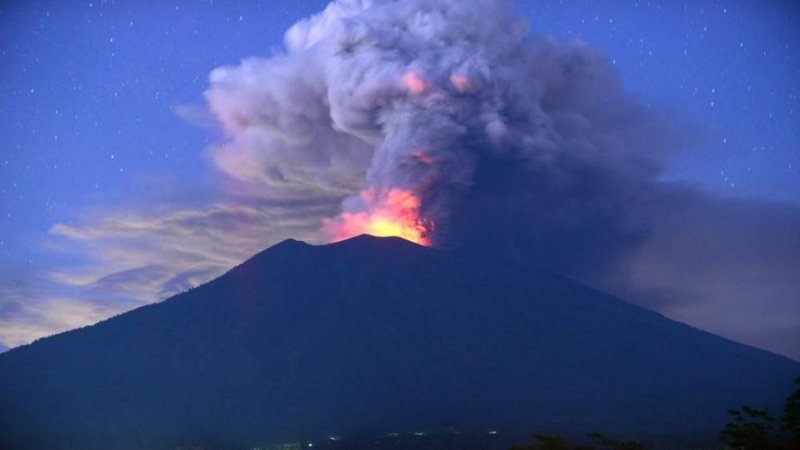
(791, 416)
(750, 429)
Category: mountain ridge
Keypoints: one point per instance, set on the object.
(370, 335)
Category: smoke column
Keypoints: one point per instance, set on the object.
(422, 117)
(449, 123)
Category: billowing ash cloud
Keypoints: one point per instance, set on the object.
(447, 122)
(434, 98)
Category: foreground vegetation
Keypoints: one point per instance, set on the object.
(749, 429)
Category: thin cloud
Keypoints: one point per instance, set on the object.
(135, 259)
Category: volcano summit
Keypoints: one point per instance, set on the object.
(372, 336)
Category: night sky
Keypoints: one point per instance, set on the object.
(108, 199)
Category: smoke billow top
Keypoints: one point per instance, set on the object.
(423, 115)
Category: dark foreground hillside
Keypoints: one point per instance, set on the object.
(370, 337)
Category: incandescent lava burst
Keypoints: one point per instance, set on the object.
(414, 82)
(393, 212)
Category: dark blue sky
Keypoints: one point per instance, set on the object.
(98, 104)
(88, 103)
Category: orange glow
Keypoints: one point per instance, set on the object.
(460, 82)
(414, 83)
(395, 212)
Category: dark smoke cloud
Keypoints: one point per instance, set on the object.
(367, 86)
(533, 141)
(731, 266)
(519, 147)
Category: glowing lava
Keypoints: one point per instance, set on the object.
(414, 83)
(395, 212)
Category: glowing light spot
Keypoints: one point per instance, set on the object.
(460, 82)
(395, 212)
(414, 83)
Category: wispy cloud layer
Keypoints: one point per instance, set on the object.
(135, 259)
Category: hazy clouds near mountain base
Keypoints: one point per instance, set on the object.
(729, 266)
(136, 259)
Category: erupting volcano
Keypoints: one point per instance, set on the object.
(395, 212)
(366, 337)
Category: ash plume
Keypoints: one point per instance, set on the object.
(420, 96)
(490, 139)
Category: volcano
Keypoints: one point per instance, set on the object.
(375, 337)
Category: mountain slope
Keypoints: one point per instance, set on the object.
(370, 336)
